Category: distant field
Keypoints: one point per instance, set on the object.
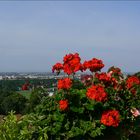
(25, 93)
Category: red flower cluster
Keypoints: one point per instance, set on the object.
(63, 105)
(93, 65)
(116, 84)
(103, 77)
(25, 87)
(115, 70)
(110, 118)
(97, 92)
(64, 83)
(72, 63)
(57, 67)
(107, 79)
(131, 81)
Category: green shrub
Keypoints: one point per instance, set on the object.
(27, 128)
(137, 74)
(2, 96)
(35, 99)
(31, 128)
(9, 128)
(14, 102)
(108, 106)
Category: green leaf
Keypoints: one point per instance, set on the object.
(89, 106)
(77, 109)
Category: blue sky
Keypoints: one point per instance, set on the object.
(35, 35)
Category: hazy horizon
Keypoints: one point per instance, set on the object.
(35, 35)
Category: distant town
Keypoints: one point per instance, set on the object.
(32, 75)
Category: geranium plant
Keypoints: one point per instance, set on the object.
(106, 100)
(100, 106)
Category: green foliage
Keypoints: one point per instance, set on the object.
(82, 118)
(14, 102)
(28, 128)
(35, 99)
(3, 95)
(137, 74)
(25, 93)
(9, 128)
(75, 123)
(31, 128)
(78, 84)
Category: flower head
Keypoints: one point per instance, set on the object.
(97, 93)
(110, 118)
(131, 82)
(57, 67)
(63, 105)
(93, 65)
(103, 77)
(72, 63)
(135, 112)
(114, 70)
(64, 83)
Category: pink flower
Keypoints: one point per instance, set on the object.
(109, 74)
(135, 112)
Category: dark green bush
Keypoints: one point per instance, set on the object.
(14, 102)
(137, 74)
(35, 99)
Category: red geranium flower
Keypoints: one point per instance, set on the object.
(114, 70)
(93, 65)
(110, 118)
(103, 77)
(63, 105)
(25, 87)
(64, 83)
(107, 79)
(131, 82)
(72, 63)
(57, 67)
(97, 93)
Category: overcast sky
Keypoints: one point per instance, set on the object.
(35, 35)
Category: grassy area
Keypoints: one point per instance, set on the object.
(25, 93)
